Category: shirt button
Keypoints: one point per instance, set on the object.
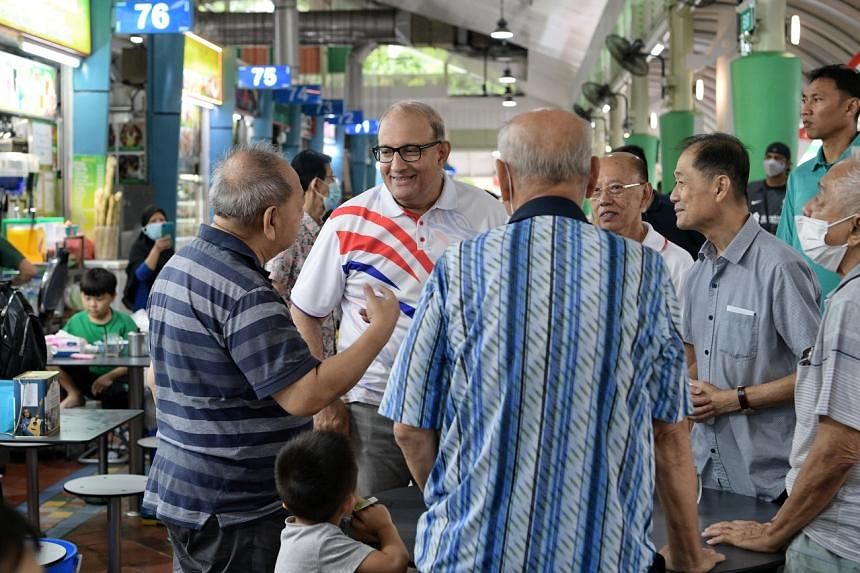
(713, 285)
(421, 239)
(421, 223)
(707, 352)
(710, 317)
(713, 450)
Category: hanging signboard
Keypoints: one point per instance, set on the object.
(327, 108)
(308, 94)
(140, 17)
(27, 87)
(62, 22)
(366, 127)
(201, 72)
(351, 117)
(263, 77)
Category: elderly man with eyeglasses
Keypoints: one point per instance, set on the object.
(391, 235)
(621, 196)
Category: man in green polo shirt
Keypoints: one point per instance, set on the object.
(829, 108)
(11, 258)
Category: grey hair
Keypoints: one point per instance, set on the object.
(247, 181)
(421, 109)
(848, 186)
(531, 158)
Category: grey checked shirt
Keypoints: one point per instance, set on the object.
(749, 313)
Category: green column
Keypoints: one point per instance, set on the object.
(760, 115)
(675, 126)
(649, 143)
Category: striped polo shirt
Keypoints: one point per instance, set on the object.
(541, 351)
(222, 342)
(372, 240)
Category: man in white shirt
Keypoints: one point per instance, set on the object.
(391, 234)
(622, 194)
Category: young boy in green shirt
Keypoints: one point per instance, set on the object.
(94, 324)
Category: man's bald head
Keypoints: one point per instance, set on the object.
(547, 146)
(629, 162)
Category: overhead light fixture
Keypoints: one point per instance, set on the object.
(135, 39)
(626, 135)
(652, 120)
(657, 49)
(593, 124)
(507, 77)
(794, 33)
(509, 100)
(57, 56)
(700, 89)
(606, 108)
(501, 32)
(608, 148)
(496, 154)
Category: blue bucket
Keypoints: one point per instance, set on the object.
(10, 406)
(70, 563)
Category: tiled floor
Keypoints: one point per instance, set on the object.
(144, 547)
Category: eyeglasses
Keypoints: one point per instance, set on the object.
(409, 153)
(614, 190)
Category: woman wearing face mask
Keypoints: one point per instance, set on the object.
(765, 197)
(148, 255)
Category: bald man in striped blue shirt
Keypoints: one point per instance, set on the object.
(543, 379)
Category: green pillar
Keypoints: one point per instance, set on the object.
(675, 126)
(649, 143)
(762, 116)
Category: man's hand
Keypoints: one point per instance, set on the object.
(706, 560)
(710, 402)
(381, 310)
(101, 384)
(333, 418)
(314, 205)
(750, 535)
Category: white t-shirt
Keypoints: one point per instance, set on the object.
(677, 260)
(321, 547)
(371, 239)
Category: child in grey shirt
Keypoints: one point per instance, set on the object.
(316, 476)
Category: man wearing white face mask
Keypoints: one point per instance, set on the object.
(822, 513)
(765, 197)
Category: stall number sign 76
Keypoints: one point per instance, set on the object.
(156, 13)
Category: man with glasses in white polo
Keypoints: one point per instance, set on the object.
(621, 196)
(391, 234)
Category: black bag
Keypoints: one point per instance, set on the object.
(22, 338)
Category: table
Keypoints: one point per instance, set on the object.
(135, 365)
(77, 426)
(406, 505)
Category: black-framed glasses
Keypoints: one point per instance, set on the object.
(614, 190)
(409, 153)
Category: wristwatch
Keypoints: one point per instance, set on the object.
(742, 400)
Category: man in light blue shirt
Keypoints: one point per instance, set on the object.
(540, 394)
(829, 109)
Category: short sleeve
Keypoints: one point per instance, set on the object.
(667, 388)
(417, 389)
(840, 362)
(10, 257)
(341, 553)
(796, 313)
(319, 288)
(264, 343)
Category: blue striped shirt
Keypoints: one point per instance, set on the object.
(222, 343)
(541, 351)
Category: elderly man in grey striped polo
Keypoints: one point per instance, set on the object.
(822, 513)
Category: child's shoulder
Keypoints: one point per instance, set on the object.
(124, 319)
(80, 318)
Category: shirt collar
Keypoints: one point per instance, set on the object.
(820, 160)
(852, 274)
(550, 205)
(739, 245)
(447, 200)
(232, 243)
(653, 239)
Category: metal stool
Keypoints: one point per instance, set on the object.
(148, 443)
(114, 487)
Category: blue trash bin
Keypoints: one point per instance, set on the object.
(70, 563)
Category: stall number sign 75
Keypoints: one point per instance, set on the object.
(263, 77)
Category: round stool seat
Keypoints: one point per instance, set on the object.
(149, 442)
(22, 444)
(109, 485)
(50, 553)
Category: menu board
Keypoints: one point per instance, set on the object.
(27, 87)
(62, 22)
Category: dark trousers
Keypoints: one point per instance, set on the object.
(245, 548)
(659, 565)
